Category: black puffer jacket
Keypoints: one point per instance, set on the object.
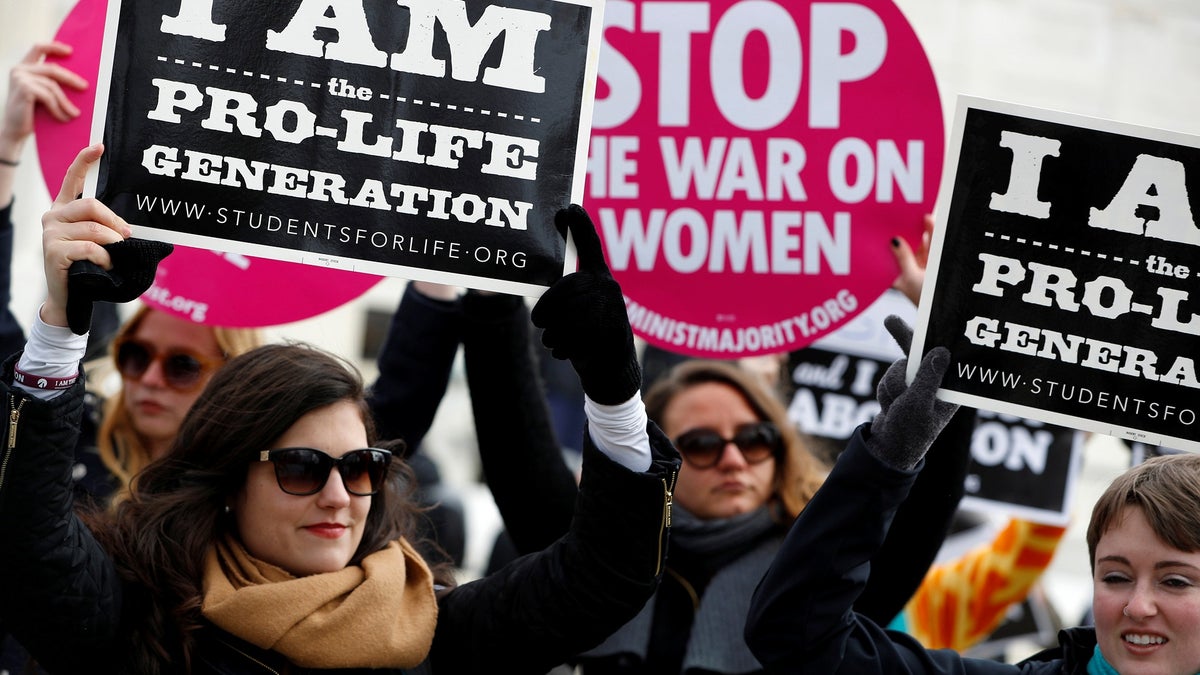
(414, 369)
(61, 595)
(803, 619)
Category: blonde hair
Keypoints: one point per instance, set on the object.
(797, 473)
(117, 442)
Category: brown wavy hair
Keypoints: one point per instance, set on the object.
(118, 444)
(1167, 489)
(159, 536)
(797, 474)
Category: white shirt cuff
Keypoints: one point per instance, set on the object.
(51, 352)
(619, 431)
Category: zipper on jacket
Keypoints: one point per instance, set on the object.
(249, 657)
(668, 500)
(14, 416)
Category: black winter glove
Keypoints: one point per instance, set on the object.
(910, 416)
(134, 263)
(583, 319)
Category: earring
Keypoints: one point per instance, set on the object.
(229, 510)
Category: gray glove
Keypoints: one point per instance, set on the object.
(910, 416)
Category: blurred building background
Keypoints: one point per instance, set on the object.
(1135, 61)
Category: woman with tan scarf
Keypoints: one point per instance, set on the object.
(275, 536)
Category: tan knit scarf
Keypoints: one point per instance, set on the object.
(380, 614)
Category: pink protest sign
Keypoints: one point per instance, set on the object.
(196, 284)
(752, 161)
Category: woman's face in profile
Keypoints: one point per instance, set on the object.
(314, 533)
(1146, 600)
(732, 486)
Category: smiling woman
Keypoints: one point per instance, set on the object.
(279, 531)
(1144, 542)
(322, 532)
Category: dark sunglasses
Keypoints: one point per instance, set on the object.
(181, 369)
(304, 471)
(703, 447)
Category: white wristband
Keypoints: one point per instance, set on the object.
(52, 353)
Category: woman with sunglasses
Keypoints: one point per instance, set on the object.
(270, 539)
(746, 475)
(164, 362)
(107, 458)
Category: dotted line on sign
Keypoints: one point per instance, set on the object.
(321, 85)
(1065, 249)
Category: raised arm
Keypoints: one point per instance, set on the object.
(921, 523)
(545, 608)
(802, 617)
(31, 82)
(415, 363)
(924, 518)
(59, 591)
(534, 489)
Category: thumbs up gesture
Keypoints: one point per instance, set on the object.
(584, 319)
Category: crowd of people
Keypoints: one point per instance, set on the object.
(240, 505)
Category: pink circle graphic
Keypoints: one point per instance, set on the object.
(751, 162)
(196, 284)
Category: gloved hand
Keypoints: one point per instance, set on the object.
(583, 319)
(910, 416)
(134, 263)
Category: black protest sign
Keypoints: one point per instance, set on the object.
(419, 138)
(1061, 273)
(831, 393)
(1023, 468)
(834, 391)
